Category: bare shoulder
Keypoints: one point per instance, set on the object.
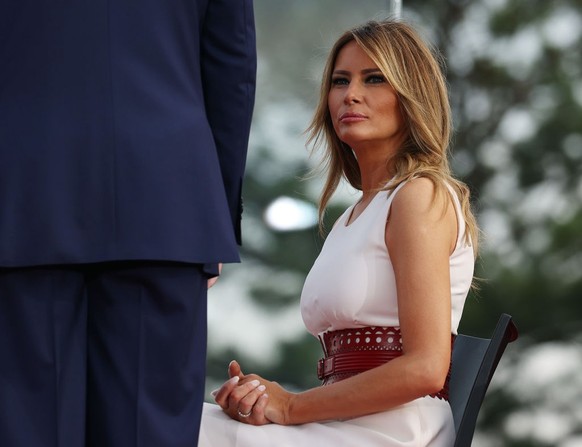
(422, 208)
(419, 196)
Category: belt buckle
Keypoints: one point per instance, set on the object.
(325, 367)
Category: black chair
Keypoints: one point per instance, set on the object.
(474, 362)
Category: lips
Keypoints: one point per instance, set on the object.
(352, 117)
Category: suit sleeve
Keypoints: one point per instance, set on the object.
(228, 65)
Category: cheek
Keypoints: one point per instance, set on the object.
(391, 110)
(333, 108)
(398, 114)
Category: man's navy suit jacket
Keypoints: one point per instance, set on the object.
(123, 129)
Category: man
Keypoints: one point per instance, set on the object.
(123, 136)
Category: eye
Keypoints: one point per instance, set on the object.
(339, 80)
(375, 79)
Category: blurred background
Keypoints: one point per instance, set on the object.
(515, 73)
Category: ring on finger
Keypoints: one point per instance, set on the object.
(244, 415)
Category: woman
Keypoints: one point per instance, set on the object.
(387, 291)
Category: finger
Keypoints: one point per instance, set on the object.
(234, 369)
(232, 391)
(258, 416)
(246, 404)
(211, 282)
(223, 393)
(240, 391)
(261, 404)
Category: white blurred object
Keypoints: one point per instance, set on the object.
(288, 214)
(396, 9)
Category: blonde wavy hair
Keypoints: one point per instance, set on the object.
(412, 69)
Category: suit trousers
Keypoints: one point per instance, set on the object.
(107, 355)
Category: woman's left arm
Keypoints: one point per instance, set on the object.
(421, 235)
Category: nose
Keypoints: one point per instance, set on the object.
(352, 94)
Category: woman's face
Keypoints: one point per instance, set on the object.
(363, 105)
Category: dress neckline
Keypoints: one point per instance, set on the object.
(347, 222)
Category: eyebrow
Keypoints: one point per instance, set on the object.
(364, 71)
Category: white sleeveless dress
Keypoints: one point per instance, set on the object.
(351, 285)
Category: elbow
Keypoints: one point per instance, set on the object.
(430, 378)
(435, 383)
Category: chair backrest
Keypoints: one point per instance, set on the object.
(473, 364)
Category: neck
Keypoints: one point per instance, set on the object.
(374, 174)
(375, 167)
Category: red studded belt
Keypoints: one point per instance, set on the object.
(351, 351)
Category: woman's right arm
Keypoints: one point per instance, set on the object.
(420, 236)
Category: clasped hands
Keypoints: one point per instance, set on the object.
(252, 399)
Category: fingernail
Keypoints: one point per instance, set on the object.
(255, 383)
(262, 388)
(234, 379)
(214, 393)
